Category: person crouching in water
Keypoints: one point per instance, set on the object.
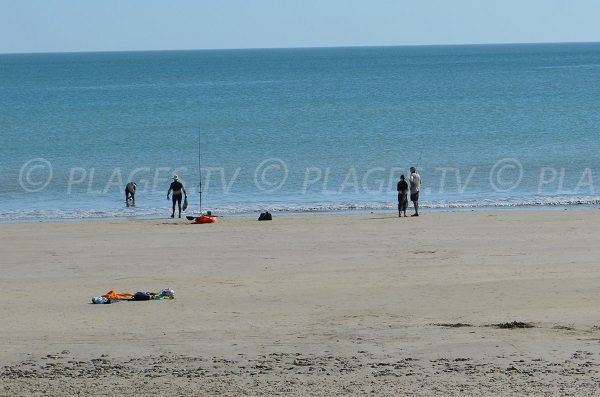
(402, 196)
(178, 192)
(130, 193)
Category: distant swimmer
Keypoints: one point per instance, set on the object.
(178, 192)
(130, 193)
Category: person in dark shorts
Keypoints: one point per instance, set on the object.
(178, 192)
(402, 189)
(130, 193)
(415, 186)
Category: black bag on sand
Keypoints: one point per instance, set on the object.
(265, 216)
(141, 296)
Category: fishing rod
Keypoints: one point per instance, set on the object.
(199, 175)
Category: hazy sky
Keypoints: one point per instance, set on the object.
(109, 25)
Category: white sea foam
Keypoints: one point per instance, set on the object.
(251, 209)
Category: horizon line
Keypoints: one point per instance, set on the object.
(298, 47)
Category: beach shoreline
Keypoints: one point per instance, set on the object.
(458, 302)
(318, 212)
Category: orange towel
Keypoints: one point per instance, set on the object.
(112, 294)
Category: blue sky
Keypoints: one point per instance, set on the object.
(118, 25)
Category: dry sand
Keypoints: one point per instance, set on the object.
(318, 305)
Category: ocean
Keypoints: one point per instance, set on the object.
(298, 130)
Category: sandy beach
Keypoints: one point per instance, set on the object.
(455, 303)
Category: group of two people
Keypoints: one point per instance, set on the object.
(176, 187)
(403, 189)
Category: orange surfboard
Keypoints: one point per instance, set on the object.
(206, 219)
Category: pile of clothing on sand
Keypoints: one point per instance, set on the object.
(113, 296)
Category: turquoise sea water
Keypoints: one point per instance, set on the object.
(298, 129)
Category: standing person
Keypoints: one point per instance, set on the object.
(178, 192)
(402, 189)
(130, 193)
(415, 186)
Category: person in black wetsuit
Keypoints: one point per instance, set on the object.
(178, 192)
(130, 193)
(402, 196)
